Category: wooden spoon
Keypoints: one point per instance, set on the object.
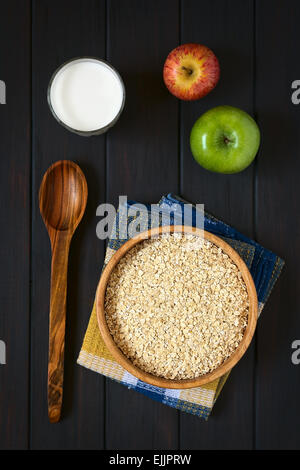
(62, 198)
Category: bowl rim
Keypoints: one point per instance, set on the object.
(118, 355)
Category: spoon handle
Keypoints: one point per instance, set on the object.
(60, 242)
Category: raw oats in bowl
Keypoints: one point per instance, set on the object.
(176, 307)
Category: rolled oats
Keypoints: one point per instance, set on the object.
(176, 306)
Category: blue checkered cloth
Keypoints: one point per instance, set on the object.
(265, 268)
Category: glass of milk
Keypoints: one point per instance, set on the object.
(86, 95)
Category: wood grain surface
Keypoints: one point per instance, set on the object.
(278, 224)
(15, 176)
(144, 156)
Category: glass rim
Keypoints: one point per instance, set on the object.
(100, 130)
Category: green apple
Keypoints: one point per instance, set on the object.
(225, 139)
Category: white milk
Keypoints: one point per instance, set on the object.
(86, 95)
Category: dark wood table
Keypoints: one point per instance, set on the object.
(144, 156)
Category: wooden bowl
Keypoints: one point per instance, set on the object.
(158, 381)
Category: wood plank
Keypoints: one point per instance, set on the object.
(142, 164)
(15, 119)
(278, 222)
(60, 33)
(226, 27)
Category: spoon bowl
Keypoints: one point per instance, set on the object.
(62, 197)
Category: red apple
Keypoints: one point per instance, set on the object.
(191, 71)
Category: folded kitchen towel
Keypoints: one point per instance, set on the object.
(264, 266)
